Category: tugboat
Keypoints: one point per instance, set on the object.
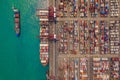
(17, 21)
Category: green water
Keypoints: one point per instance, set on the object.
(19, 57)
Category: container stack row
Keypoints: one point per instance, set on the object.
(60, 40)
(65, 38)
(81, 34)
(114, 37)
(62, 8)
(94, 8)
(76, 61)
(76, 38)
(83, 8)
(104, 37)
(115, 68)
(65, 69)
(104, 8)
(72, 69)
(114, 9)
(101, 69)
(96, 68)
(63, 42)
(73, 6)
(83, 69)
(68, 8)
(84, 34)
(94, 37)
(71, 35)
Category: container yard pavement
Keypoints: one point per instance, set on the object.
(56, 58)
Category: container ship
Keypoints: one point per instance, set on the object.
(44, 32)
(46, 16)
(17, 21)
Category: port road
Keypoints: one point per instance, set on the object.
(53, 46)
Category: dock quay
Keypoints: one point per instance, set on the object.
(84, 39)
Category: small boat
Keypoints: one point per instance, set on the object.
(17, 21)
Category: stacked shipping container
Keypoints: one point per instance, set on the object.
(101, 69)
(114, 37)
(104, 37)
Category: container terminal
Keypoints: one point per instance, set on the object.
(79, 39)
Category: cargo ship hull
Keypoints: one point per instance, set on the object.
(44, 33)
(16, 21)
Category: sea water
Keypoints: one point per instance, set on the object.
(19, 56)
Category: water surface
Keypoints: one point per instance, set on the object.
(19, 57)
